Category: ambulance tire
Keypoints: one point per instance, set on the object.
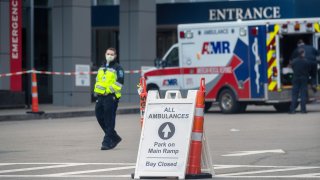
(282, 107)
(243, 107)
(228, 103)
(152, 87)
(207, 106)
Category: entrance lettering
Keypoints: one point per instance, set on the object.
(233, 14)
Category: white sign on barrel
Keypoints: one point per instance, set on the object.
(165, 136)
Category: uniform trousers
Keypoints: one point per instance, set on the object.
(313, 72)
(300, 87)
(105, 110)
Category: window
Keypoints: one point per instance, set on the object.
(172, 59)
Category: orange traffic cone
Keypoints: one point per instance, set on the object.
(34, 91)
(143, 98)
(194, 163)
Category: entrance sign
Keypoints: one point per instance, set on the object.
(166, 134)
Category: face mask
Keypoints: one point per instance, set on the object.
(109, 58)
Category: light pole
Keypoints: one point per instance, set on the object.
(31, 34)
(31, 57)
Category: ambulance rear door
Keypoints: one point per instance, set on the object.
(273, 59)
(258, 60)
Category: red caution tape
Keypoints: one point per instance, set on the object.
(59, 73)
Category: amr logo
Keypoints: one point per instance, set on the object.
(216, 47)
(169, 82)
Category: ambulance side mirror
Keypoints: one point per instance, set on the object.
(159, 63)
(163, 63)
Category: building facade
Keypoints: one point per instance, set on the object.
(71, 36)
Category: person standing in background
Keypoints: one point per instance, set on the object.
(300, 67)
(311, 54)
(109, 81)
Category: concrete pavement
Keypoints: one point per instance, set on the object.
(51, 111)
(242, 146)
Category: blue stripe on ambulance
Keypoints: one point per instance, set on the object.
(241, 50)
(258, 72)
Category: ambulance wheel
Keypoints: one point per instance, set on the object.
(207, 106)
(228, 103)
(282, 107)
(152, 87)
(242, 107)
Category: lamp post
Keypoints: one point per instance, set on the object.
(31, 34)
(30, 64)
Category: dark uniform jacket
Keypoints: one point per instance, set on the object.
(300, 67)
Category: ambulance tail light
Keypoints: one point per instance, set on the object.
(297, 27)
(274, 72)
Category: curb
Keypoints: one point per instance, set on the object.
(57, 115)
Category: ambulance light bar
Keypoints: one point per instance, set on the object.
(296, 26)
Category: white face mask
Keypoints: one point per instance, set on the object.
(109, 58)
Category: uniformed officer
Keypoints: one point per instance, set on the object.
(108, 87)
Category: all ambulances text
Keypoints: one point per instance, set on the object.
(166, 114)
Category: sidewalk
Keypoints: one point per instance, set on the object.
(51, 112)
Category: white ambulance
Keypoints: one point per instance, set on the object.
(243, 62)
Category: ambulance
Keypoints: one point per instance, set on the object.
(243, 62)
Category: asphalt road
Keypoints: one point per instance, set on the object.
(259, 144)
